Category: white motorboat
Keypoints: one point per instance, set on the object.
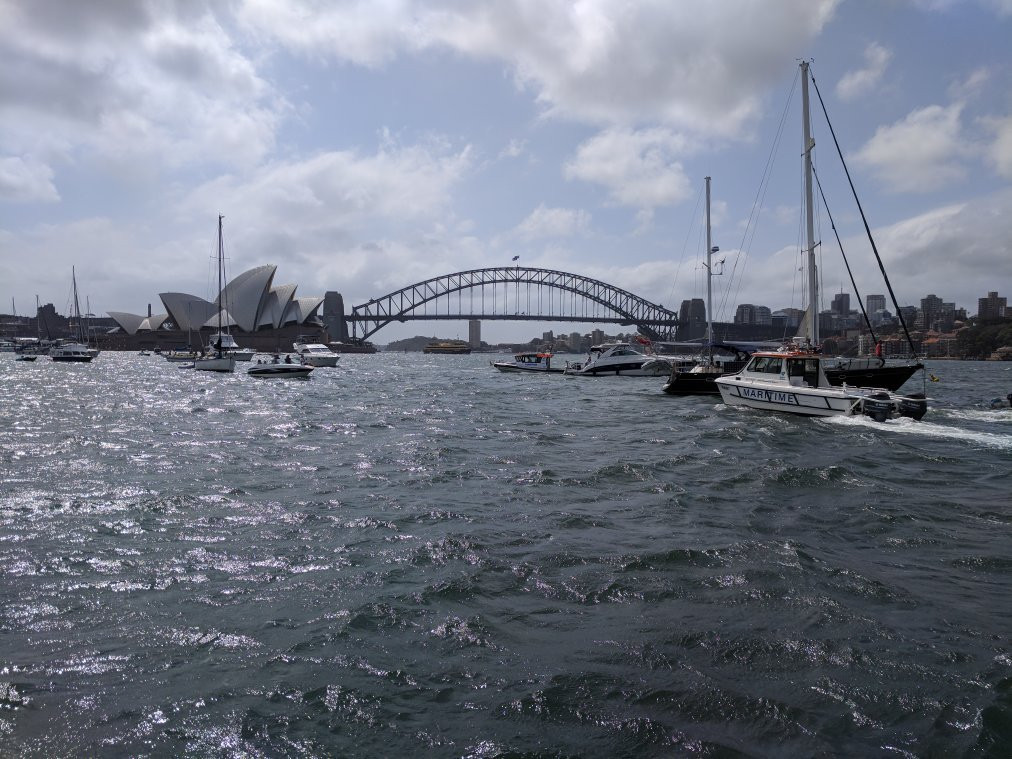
(794, 381)
(315, 354)
(71, 351)
(219, 360)
(275, 367)
(621, 359)
(529, 361)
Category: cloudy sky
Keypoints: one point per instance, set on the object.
(366, 145)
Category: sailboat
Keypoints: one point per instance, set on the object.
(795, 379)
(862, 371)
(219, 361)
(73, 351)
(699, 380)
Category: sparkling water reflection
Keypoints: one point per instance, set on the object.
(412, 553)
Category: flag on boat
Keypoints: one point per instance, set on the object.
(516, 258)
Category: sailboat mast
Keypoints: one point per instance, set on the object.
(220, 301)
(77, 305)
(709, 275)
(813, 283)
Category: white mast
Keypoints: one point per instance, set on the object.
(813, 284)
(709, 273)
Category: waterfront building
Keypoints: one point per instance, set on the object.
(249, 303)
(474, 333)
(992, 308)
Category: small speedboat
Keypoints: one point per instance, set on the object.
(278, 368)
(26, 357)
(539, 363)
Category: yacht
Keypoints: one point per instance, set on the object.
(624, 359)
(71, 351)
(315, 354)
(794, 381)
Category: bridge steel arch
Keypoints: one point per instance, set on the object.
(652, 320)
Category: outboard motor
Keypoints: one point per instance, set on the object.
(914, 406)
(878, 406)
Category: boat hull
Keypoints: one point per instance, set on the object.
(317, 360)
(886, 377)
(790, 400)
(509, 366)
(216, 364)
(289, 371)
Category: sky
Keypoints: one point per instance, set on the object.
(364, 146)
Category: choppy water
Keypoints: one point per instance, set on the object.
(419, 554)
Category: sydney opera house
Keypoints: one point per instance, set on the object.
(251, 306)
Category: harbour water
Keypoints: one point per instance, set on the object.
(417, 554)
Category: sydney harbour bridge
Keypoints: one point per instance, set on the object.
(514, 293)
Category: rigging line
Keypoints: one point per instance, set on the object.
(748, 236)
(685, 245)
(864, 219)
(842, 253)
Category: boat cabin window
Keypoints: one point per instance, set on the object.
(806, 368)
(766, 364)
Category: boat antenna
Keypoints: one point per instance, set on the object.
(846, 263)
(864, 219)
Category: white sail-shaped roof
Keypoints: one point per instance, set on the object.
(275, 304)
(227, 320)
(301, 309)
(129, 323)
(152, 323)
(134, 323)
(245, 295)
(188, 311)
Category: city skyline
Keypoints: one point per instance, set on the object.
(365, 148)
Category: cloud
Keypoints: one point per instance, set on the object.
(595, 61)
(1001, 149)
(639, 168)
(853, 84)
(971, 86)
(553, 222)
(920, 153)
(26, 180)
(141, 87)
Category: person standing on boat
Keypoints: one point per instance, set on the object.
(878, 349)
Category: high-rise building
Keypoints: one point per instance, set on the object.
(936, 314)
(746, 313)
(474, 333)
(992, 308)
(875, 303)
(841, 304)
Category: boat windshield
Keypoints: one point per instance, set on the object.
(766, 364)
